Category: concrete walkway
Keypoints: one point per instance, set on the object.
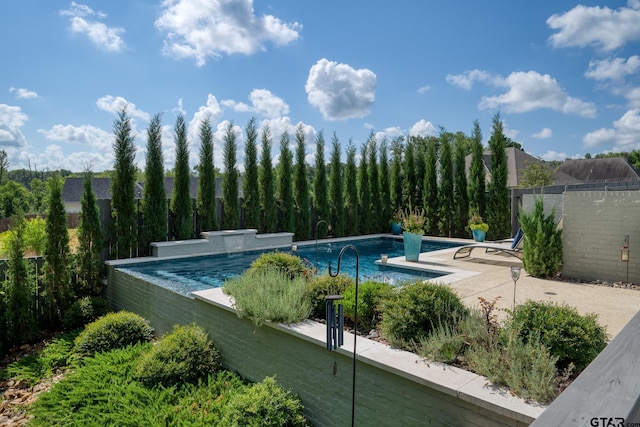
(488, 275)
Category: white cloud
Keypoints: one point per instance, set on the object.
(531, 91)
(262, 102)
(86, 134)
(613, 68)
(211, 110)
(545, 133)
(115, 104)
(598, 137)
(624, 133)
(551, 155)
(339, 91)
(423, 128)
(11, 120)
(601, 27)
(203, 28)
(633, 96)
(466, 79)
(23, 93)
(424, 89)
(103, 36)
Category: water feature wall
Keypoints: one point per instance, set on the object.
(393, 387)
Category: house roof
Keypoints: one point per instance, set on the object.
(517, 161)
(589, 171)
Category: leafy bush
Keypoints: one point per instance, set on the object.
(572, 338)
(416, 309)
(83, 311)
(264, 404)
(36, 235)
(370, 295)
(111, 331)
(542, 247)
(269, 294)
(321, 286)
(292, 266)
(184, 355)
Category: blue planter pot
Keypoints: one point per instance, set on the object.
(479, 235)
(396, 228)
(412, 246)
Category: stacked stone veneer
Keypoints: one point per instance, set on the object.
(595, 224)
(417, 394)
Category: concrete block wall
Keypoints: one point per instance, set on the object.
(322, 379)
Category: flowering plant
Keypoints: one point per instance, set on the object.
(412, 220)
(477, 223)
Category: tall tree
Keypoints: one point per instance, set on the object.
(460, 195)
(57, 272)
(445, 191)
(230, 181)
(498, 203)
(477, 187)
(286, 201)
(431, 205)
(320, 190)
(4, 166)
(351, 217)
(396, 173)
(250, 190)
(374, 186)
(301, 187)
(410, 177)
(336, 202)
(181, 206)
(364, 191)
(385, 197)
(206, 193)
(123, 203)
(419, 145)
(90, 242)
(154, 196)
(267, 186)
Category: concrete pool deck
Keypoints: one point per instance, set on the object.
(488, 275)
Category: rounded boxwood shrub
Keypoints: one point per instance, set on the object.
(184, 355)
(111, 331)
(264, 404)
(83, 311)
(571, 337)
(291, 265)
(412, 312)
(370, 296)
(321, 286)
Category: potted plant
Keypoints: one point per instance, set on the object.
(477, 226)
(396, 223)
(413, 221)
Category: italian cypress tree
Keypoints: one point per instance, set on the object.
(445, 191)
(57, 272)
(364, 191)
(301, 187)
(267, 186)
(90, 242)
(206, 193)
(154, 196)
(123, 203)
(385, 196)
(498, 203)
(460, 195)
(351, 217)
(419, 145)
(374, 186)
(230, 181)
(320, 190)
(336, 202)
(410, 178)
(431, 205)
(396, 173)
(477, 187)
(250, 190)
(181, 206)
(286, 200)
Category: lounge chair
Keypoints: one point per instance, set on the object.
(513, 249)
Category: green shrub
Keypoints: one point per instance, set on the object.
(321, 286)
(370, 295)
(416, 309)
(264, 404)
(269, 295)
(114, 330)
(444, 344)
(292, 266)
(83, 311)
(542, 247)
(183, 356)
(36, 235)
(569, 336)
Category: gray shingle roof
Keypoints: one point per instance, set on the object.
(588, 171)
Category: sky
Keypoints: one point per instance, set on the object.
(564, 76)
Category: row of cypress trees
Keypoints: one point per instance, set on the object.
(354, 197)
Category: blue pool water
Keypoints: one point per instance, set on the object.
(185, 275)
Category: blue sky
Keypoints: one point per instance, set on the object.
(565, 76)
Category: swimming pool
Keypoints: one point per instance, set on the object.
(185, 275)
